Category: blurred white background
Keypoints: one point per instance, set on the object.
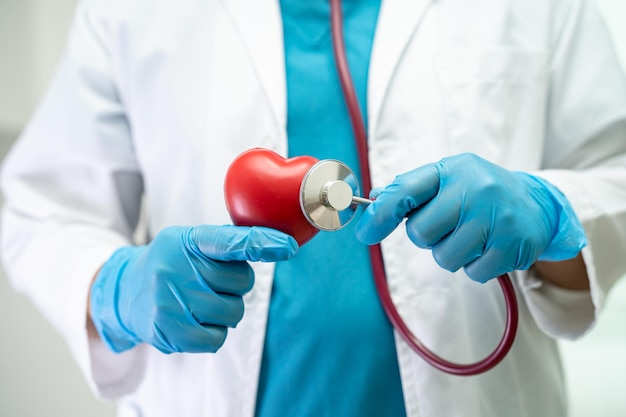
(37, 374)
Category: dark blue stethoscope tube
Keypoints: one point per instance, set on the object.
(375, 252)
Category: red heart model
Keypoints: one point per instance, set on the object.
(263, 189)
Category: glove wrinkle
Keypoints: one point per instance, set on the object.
(476, 215)
(180, 292)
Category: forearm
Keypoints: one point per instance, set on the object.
(570, 274)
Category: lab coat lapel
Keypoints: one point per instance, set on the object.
(397, 22)
(260, 25)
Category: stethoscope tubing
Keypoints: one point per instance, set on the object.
(375, 251)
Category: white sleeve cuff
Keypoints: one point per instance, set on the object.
(110, 375)
(115, 374)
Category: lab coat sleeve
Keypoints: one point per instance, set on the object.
(585, 157)
(72, 193)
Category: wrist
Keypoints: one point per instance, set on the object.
(103, 301)
(569, 236)
(570, 274)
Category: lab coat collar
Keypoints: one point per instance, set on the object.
(260, 25)
(398, 21)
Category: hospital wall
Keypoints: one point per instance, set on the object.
(37, 374)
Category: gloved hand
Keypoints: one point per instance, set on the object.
(477, 216)
(182, 291)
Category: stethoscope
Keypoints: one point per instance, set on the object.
(328, 198)
(332, 185)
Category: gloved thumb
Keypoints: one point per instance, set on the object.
(241, 243)
(393, 203)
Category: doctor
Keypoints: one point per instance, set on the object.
(506, 121)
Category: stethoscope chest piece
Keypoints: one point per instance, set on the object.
(326, 194)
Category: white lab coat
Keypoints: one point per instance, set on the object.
(161, 95)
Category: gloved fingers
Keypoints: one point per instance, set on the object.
(191, 338)
(428, 225)
(461, 247)
(494, 262)
(375, 192)
(241, 243)
(211, 309)
(406, 193)
(210, 339)
(235, 277)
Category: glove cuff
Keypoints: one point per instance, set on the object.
(104, 301)
(569, 237)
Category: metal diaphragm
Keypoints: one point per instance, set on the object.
(326, 194)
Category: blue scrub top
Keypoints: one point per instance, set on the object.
(329, 349)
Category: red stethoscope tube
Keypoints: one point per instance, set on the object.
(375, 252)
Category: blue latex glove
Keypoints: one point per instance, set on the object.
(477, 216)
(181, 292)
